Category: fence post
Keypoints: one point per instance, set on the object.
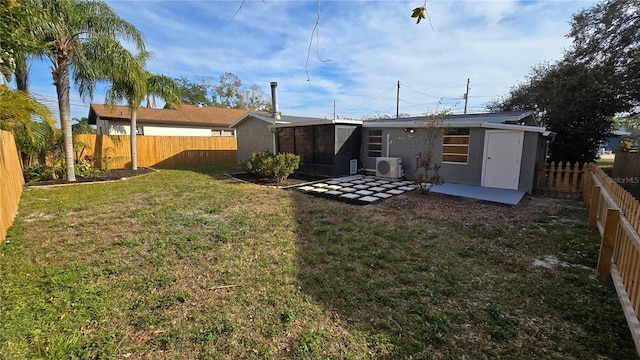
(593, 207)
(607, 244)
(586, 183)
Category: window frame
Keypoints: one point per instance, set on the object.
(460, 139)
(377, 136)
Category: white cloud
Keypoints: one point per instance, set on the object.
(371, 45)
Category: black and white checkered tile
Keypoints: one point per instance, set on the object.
(358, 189)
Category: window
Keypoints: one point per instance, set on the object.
(139, 130)
(323, 144)
(314, 144)
(285, 140)
(374, 143)
(303, 139)
(455, 146)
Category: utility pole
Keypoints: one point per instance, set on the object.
(334, 109)
(466, 97)
(398, 101)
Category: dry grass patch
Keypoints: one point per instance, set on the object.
(189, 264)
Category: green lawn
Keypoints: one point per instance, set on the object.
(606, 165)
(189, 264)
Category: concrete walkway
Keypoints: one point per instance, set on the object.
(502, 196)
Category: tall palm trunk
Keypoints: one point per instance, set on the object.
(133, 132)
(61, 80)
(22, 73)
(22, 80)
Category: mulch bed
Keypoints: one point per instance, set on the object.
(115, 174)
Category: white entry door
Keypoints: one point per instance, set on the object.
(502, 158)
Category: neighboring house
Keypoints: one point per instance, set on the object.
(498, 150)
(612, 144)
(185, 120)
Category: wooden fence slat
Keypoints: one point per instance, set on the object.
(566, 173)
(557, 181)
(627, 307)
(575, 175)
(608, 194)
(561, 180)
(593, 207)
(11, 181)
(114, 152)
(607, 244)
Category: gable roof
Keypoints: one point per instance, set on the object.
(289, 121)
(182, 115)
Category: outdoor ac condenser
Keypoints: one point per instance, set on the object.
(389, 167)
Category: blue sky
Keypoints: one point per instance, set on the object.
(364, 48)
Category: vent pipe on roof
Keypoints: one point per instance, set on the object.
(274, 101)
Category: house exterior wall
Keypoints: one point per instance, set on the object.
(102, 126)
(530, 153)
(253, 135)
(123, 128)
(397, 143)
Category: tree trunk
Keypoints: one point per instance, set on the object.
(61, 80)
(133, 132)
(22, 79)
(21, 72)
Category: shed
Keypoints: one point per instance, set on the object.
(326, 146)
(498, 150)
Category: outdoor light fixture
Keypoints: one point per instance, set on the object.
(409, 130)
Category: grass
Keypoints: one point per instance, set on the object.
(188, 264)
(606, 165)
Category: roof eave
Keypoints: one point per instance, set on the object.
(246, 117)
(456, 124)
(281, 124)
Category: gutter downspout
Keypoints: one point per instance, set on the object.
(388, 143)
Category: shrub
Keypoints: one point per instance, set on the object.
(37, 173)
(278, 167)
(625, 146)
(283, 165)
(83, 168)
(259, 163)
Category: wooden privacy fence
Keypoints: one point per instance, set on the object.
(11, 181)
(626, 167)
(114, 151)
(559, 180)
(616, 215)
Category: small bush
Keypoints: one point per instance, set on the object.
(278, 167)
(83, 168)
(37, 173)
(283, 165)
(259, 163)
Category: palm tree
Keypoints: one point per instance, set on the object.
(133, 84)
(83, 36)
(16, 108)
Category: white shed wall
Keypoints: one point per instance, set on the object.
(163, 130)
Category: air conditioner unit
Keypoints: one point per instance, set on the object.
(389, 167)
